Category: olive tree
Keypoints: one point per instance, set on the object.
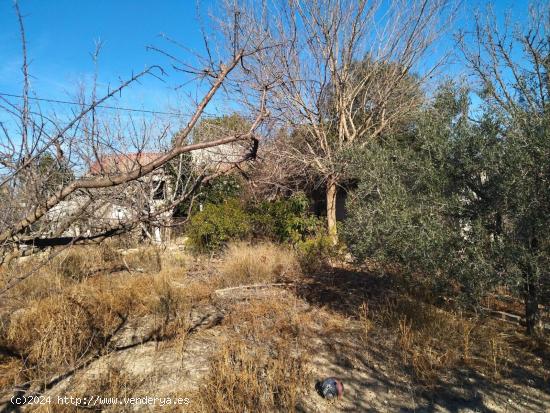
(464, 200)
(511, 62)
(417, 203)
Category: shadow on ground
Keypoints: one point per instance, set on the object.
(376, 381)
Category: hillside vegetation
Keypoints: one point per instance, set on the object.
(251, 331)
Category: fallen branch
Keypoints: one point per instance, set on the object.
(251, 287)
(512, 318)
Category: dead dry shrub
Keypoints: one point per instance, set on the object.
(111, 386)
(172, 305)
(45, 283)
(80, 262)
(10, 373)
(44, 275)
(54, 333)
(115, 382)
(432, 342)
(117, 299)
(246, 378)
(146, 259)
(248, 264)
(194, 291)
(364, 321)
(56, 320)
(110, 254)
(263, 365)
(176, 261)
(58, 332)
(279, 317)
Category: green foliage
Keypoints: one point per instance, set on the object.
(53, 174)
(462, 206)
(219, 127)
(217, 224)
(417, 201)
(220, 189)
(315, 252)
(285, 220)
(183, 169)
(215, 191)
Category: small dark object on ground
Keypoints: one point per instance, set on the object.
(330, 388)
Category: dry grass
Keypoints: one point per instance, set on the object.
(76, 264)
(10, 372)
(112, 384)
(272, 318)
(55, 333)
(148, 260)
(81, 262)
(263, 364)
(59, 319)
(245, 379)
(365, 322)
(432, 342)
(248, 264)
(45, 283)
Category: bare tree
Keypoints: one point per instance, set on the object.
(341, 72)
(47, 159)
(511, 61)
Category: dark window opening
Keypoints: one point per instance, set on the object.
(159, 190)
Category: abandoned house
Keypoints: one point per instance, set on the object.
(151, 195)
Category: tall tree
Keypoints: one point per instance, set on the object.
(511, 61)
(413, 200)
(340, 71)
(467, 200)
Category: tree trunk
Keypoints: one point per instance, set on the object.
(532, 314)
(332, 190)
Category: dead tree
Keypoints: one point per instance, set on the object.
(47, 162)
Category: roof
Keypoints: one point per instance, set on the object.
(122, 163)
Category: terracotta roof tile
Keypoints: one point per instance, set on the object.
(122, 163)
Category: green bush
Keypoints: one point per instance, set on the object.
(219, 189)
(314, 253)
(217, 224)
(285, 220)
(424, 202)
(215, 191)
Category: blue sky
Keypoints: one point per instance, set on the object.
(61, 35)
